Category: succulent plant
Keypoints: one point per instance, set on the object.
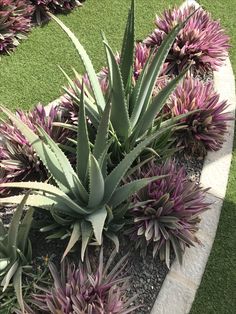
(86, 289)
(165, 213)
(88, 200)
(18, 160)
(55, 6)
(15, 23)
(206, 129)
(133, 109)
(15, 250)
(201, 40)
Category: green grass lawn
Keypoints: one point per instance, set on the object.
(216, 294)
(31, 75)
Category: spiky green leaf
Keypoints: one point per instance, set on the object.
(75, 236)
(83, 150)
(156, 105)
(125, 191)
(96, 183)
(119, 110)
(127, 51)
(98, 95)
(86, 232)
(97, 220)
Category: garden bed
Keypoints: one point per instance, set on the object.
(148, 281)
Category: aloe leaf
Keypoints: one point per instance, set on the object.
(24, 230)
(2, 229)
(119, 110)
(114, 178)
(73, 182)
(125, 191)
(156, 105)
(46, 155)
(113, 237)
(97, 220)
(17, 283)
(60, 196)
(65, 126)
(177, 119)
(90, 110)
(75, 236)
(11, 272)
(83, 150)
(127, 52)
(96, 183)
(135, 107)
(33, 200)
(102, 132)
(86, 232)
(87, 90)
(87, 64)
(154, 69)
(102, 161)
(14, 227)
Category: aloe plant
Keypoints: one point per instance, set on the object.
(87, 200)
(133, 109)
(15, 249)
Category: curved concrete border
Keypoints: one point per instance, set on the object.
(181, 283)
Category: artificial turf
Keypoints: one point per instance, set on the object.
(217, 292)
(31, 75)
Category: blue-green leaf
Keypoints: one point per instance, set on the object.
(97, 220)
(98, 95)
(96, 183)
(119, 109)
(83, 150)
(127, 52)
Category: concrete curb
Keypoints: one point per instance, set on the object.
(181, 283)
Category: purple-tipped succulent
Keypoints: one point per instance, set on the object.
(205, 129)
(18, 160)
(84, 290)
(202, 40)
(54, 6)
(165, 214)
(15, 23)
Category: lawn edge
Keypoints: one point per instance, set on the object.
(181, 283)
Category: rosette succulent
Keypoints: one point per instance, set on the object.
(18, 160)
(202, 40)
(165, 213)
(15, 23)
(206, 129)
(86, 289)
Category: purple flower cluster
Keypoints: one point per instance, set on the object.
(202, 40)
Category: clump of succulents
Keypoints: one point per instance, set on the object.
(18, 160)
(165, 213)
(134, 108)
(86, 289)
(55, 6)
(15, 250)
(15, 23)
(202, 40)
(206, 129)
